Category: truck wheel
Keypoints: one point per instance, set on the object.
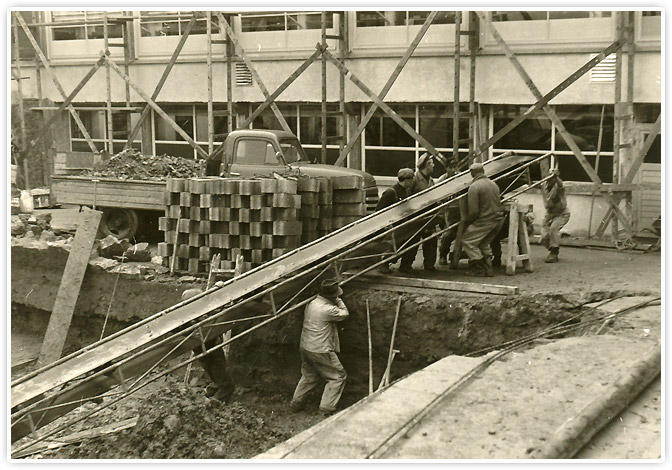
(122, 223)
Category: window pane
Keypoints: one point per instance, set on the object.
(251, 22)
(380, 18)
(384, 131)
(388, 162)
(559, 15)
(248, 151)
(534, 133)
(518, 15)
(94, 123)
(315, 154)
(419, 17)
(571, 169)
(267, 119)
(653, 155)
(308, 20)
(26, 50)
(82, 146)
(583, 123)
(170, 23)
(119, 146)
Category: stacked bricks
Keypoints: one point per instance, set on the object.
(325, 208)
(309, 190)
(258, 219)
(349, 200)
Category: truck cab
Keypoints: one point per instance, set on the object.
(261, 152)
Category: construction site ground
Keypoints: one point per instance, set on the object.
(174, 420)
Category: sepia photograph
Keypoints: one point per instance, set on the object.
(293, 235)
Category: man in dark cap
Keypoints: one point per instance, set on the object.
(319, 347)
(421, 181)
(391, 196)
(484, 220)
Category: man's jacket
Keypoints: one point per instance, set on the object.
(319, 332)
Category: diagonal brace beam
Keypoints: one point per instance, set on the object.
(393, 78)
(270, 99)
(43, 130)
(381, 104)
(162, 80)
(61, 91)
(157, 109)
(253, 71)
(633, 171)
(545, 99)
(556, 121)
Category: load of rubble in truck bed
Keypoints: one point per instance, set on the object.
(131, 164)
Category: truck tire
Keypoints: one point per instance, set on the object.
(121, 223)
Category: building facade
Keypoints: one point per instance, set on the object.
(550, 46)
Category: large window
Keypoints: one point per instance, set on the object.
(170, 23)
(91, 25)
(26, 50)
(283, 21)
(95, 123)
(401, 18)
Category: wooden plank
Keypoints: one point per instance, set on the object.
(76, 437)
(68, 291)
(123, 183)
(480, 288)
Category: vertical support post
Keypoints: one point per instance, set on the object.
(208, 58)
(108, 85)
(456, 88)
(618, 123)
(473, 44)
(342, 48)
(323, 133)
(19, 89)
(229, 83)
(127, 37)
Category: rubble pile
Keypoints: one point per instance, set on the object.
(179, 422)
(131, 164)
(37, 227)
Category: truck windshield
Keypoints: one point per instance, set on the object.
(292, 151)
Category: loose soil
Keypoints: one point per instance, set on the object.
(177, 421)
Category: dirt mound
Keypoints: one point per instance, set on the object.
(130, 164)
(179, 422)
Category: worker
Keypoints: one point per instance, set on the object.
(391, 196)
(421, 181)
(557, 215)
(214, 363)
(451, 216)
(319, 348)
(485, 217)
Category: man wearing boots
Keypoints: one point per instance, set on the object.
(421, 181)
(391, 196)
(484, 220)
(319, 346)
(557, 215)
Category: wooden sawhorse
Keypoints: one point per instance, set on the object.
(518, 248)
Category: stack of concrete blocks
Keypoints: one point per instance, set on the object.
(348, 200)
(175, 213)
(325, 207)
(309, 190)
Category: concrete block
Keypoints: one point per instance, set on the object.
(269, 186)
(183, 225)
(171, 199)
(286, 186)
(174, 212)
(219, 227)
(240, 201)
(256, 202)
(309, 212)
(286, 200)
(349, 196)
(205, 200)
(256, 229)
(234, 227)
(349, 210)
(176, 185)
(307, 184)
(348, 182)
(185, 199)
(284, 228)
(204, 226)
(309, 199)
(250, 187)
(230, 186)
(198, 240)
(165, 249)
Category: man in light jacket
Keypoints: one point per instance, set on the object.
(319, 347)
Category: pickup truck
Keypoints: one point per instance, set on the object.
(129, 206)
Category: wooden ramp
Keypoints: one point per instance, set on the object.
(380, 415)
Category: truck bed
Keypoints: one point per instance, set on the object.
(108, 192)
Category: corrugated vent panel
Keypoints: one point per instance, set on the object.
(605, 71)
(243, 75)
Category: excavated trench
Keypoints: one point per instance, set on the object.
(178, 421)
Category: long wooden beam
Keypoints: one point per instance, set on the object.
(61, 91)
(271, 98)
(19, 89)
(381, 104)
(162, 80)
(253, 71)
(42, 132)
(546, 98)
(390, 81)
(556, 121)
(157, 109)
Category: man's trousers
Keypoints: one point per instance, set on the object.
(316, 366)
